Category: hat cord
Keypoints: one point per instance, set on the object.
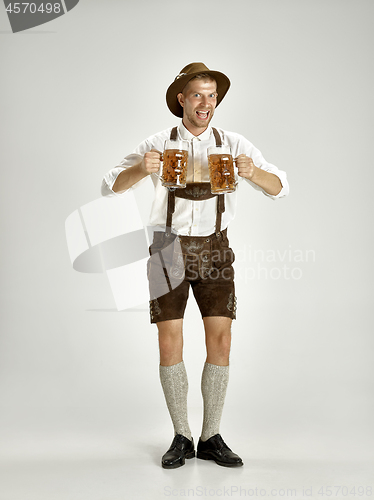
(180, 76)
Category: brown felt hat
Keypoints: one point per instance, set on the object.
(186, 74)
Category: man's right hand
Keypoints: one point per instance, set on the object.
(149, 165)
(152, 162)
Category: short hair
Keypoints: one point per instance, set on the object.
(201, 76)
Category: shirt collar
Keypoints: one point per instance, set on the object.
(187, 136)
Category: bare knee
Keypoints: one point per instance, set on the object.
(218, 340)
(218, 349)
(170, 339)
(224, 344)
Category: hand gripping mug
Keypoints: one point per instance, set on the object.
(221, 170)
(174, 168)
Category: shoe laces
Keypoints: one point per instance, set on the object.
(222, 444)
(178, 439)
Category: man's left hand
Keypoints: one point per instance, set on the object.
(267, 181)
(246, 167)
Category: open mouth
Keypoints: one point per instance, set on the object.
(203, 115)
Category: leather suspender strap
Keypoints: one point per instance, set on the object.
(217, 137)
(220, 210)
(174, 134)
(170, 210)
(171, 195)
(220, 197)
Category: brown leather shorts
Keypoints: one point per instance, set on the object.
(204, 263)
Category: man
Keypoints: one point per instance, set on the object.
(197, 220)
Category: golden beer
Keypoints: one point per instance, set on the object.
(175, 159)
(221, 173)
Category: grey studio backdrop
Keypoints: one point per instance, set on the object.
(82, 411)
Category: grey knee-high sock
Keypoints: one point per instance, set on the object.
(175, 385)
(214, 382)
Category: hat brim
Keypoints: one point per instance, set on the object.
(223, 85)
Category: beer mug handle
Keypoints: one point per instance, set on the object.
(236, 172)
(154, 173)
(160, 176)
(236, 175)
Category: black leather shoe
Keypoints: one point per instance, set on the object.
(216, 449)
(180, 448)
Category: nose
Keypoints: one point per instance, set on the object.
(204, 100)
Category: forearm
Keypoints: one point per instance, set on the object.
(267, 181)
(129, 177)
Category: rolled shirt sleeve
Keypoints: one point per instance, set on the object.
(241, 145)
(282, 176)
(110, 177)
(154, 142)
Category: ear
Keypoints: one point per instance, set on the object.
(180, 98)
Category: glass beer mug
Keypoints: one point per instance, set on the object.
(174, 164)
(221, 170)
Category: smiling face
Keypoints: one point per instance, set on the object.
(198, 100)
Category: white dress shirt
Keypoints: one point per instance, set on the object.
(193, 218)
